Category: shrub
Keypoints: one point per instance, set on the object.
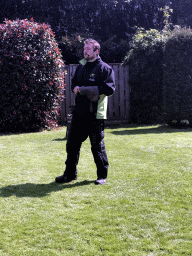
(31, 77)
(72, 48)
(113, 50)
(145, 59)
(177, 80)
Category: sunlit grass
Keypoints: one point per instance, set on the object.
(145, 208)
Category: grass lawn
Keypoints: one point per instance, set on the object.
(145, 208)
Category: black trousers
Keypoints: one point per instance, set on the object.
(82, 127)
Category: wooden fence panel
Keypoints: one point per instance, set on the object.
(121, 93)
(118, 104)
(127, 92)
(67, 91)
(116, 94)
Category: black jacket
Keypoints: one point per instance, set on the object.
(95, 74)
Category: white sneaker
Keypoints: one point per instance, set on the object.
(100, 182)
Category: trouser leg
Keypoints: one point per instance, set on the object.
(77, 134)
(73, 152)
(98, 149)
(101, 161)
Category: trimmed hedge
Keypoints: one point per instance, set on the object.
(178, 78)
(145, 60)
(31, 77)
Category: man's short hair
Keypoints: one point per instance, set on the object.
(96, 45)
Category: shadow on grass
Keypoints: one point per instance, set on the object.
(130, 130)
(60, 139)
(38, 190)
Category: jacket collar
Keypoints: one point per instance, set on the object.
(83, 61)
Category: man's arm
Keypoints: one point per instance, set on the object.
(107, 82)
(74, 81)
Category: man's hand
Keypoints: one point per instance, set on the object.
(76, 89)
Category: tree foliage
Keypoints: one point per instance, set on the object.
(105, 20)
(145, 60)
(178, 77)
(31, 77)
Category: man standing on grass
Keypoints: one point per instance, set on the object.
(92, 83)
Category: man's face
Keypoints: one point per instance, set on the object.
(89, 53)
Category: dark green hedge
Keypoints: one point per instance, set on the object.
(145, 60)
(177, 80)
(31, 77)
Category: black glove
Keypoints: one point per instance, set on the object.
(91, 92)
